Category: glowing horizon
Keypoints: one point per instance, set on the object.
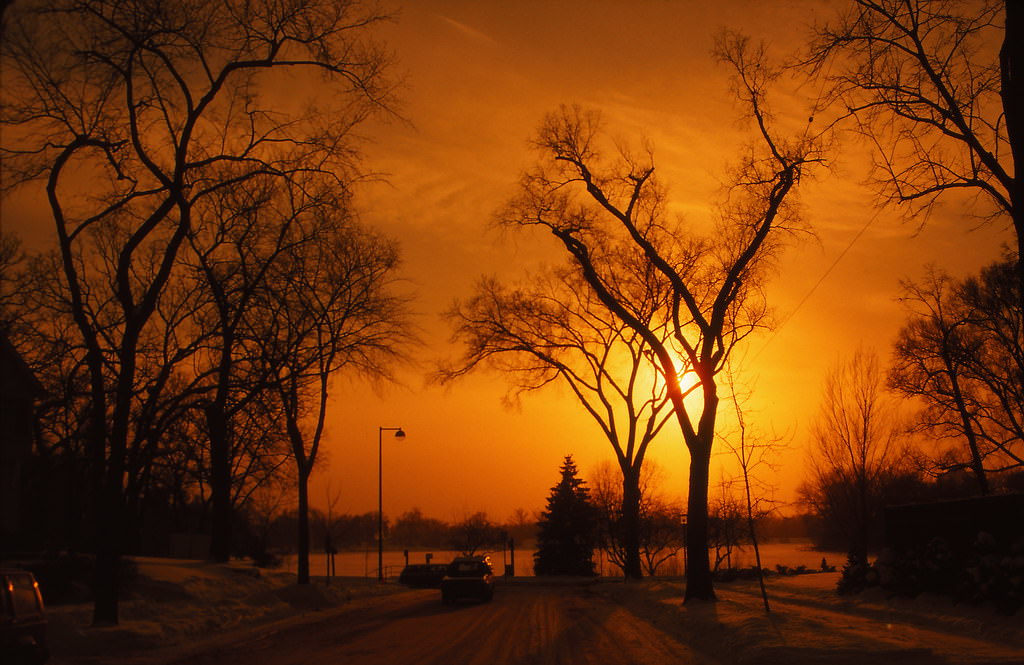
(478, 79)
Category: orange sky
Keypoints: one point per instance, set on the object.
(479, 77)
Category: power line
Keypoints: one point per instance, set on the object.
(818, 283)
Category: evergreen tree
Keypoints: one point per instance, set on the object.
(566, 538)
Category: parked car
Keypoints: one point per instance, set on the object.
(423, 575)
(468, 577)
(22, 619)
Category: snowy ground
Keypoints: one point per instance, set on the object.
(182, 605)
(810, 624)
(176, 601)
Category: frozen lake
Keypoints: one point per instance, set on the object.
(364, 563)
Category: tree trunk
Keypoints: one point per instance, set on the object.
(303, 534)
(111, 523)
(1011, 64)
(629, 524)
(753, 539)
(699, 583)
(109, 520)
(106, 531)
(220, 483)
(860, 546)
(977, 465)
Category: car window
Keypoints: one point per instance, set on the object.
(468, 569)
(23, 595)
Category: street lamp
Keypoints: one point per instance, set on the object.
(399, 434)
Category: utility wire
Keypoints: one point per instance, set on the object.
(824, 276)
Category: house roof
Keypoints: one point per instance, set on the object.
(16, 377)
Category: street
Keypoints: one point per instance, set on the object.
(524, 624)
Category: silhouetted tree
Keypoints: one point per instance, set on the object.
(567, 527)
(521, 526)
(662, 535)
(557, 329)
(930, 359)
(329, 306)
(51, 340)
(11, 259)
(36, 320)
(754, 454)
(855, 449)
(130, 112)
(998, 367)
(268, 502)
(238, 234)
(476, 533)
(357, 530)
(962, 353)
(727, 522)
(940, 102)
(414, 529)
(713, 282)
(659, 530)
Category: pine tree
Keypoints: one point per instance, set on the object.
(565, 544)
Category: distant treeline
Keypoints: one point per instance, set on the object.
(474, 533)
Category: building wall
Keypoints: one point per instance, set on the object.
(18, 390)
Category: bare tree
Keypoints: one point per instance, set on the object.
(268, 503)
(936, 97)
(855, 448)
(727, 520)
(582, 196)
(557, 330)
(754, 454)
(130, 112)
(11, 259)
(962, 353)
(474, 534)
(328, 306)
(998, 367)
(413, 528)
(660, 523)
(662, 535)
(51, 341)
(930, 361)
(238, 235)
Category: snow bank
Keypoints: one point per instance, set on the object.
(809, 623)
(183, 602)
(175, 601)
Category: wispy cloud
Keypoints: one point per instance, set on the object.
(470, 31)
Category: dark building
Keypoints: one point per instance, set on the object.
(19, 389)
(958, 522)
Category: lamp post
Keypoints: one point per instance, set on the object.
(399, 434)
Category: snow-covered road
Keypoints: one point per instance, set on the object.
(525, 623)
(534, 621)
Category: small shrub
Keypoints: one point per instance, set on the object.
(857, 575)
(732, 574)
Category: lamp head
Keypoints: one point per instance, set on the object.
(400, 434)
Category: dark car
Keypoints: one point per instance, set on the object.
(22, 619)
(468, 577)
(423, 575)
